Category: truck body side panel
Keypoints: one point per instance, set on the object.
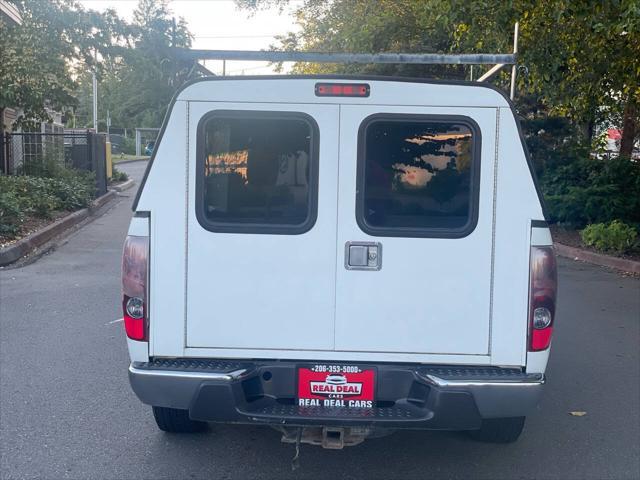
(165, 199)
(516, 205)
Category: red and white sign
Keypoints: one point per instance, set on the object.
(345, 386)
(614, 134)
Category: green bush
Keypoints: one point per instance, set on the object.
(593, 191)
(552, 141)
(614, 237)
(43, 205)
(73, 191)
(11, 213)
(118, 176)
(24, 196)
(35, 196)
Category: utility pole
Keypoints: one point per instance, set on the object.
(174, 66)
(95, 92)
(224, 68)
(95, 102)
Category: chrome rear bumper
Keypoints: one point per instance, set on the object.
(407, 396)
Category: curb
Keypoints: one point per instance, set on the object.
(131, 161)
(574, 253)
(123, 186)
(28, 244)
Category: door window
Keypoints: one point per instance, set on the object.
(257, 172)
(418, 175)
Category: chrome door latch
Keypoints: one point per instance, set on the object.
(363, 256)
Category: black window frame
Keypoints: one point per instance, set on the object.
(413, 232)
(258, 228)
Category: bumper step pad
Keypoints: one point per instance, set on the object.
(477, 374)
(193, 365)
(293, 412)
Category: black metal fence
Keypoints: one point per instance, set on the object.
(43, 153)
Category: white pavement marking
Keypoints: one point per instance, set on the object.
(114, 321)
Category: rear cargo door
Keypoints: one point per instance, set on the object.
(415, 221)
(262, 226)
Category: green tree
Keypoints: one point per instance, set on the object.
(370, 26)
(151, 71)
(137, 84)
(39, 59)
(583, 58)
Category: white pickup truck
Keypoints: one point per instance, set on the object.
(339, 257)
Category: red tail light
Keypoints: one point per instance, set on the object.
(542, 297)
(134, 287)
(342, 90)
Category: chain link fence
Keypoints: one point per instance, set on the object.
(42, 154)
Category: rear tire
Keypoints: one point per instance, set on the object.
(173, 420)
(499, 430)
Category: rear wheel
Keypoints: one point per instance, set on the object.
(174, 420)
(499, 430)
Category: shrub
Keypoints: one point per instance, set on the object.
(35, 196)
(593, 191)
(24, 196)
(11, 214)
(615, 237)
(73, 191)
(43, 205)
(118, 176)
(552, 141)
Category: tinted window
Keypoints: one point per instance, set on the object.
(258, 172)
(417, 176)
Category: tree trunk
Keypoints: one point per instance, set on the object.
(629, 127)
(586, 129)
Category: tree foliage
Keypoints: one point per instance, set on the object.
(137, 84)
(590, 190)
(48, 62)
(372, 26)
(582, 58)
(38, 59)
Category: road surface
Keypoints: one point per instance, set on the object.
(66, 409)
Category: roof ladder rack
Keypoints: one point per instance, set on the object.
(499, 60)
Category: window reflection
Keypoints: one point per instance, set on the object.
(257, 170)
(417, 174)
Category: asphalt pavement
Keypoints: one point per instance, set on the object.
(66, 409)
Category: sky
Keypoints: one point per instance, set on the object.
(219, 25)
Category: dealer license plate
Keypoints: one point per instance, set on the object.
(336, 386)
